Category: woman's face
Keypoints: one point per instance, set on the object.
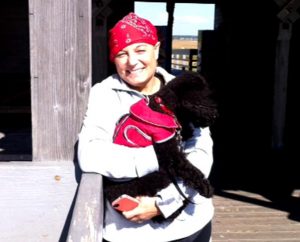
(136, 65)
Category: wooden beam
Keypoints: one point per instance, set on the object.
(101, 11)
(60, 53)
(170, 7)
(86, 224)
(280, 85)
(289, 13)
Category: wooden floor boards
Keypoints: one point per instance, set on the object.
(248, 217)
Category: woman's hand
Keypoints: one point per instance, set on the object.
(146, 210)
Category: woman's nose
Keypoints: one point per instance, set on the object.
(132, 59)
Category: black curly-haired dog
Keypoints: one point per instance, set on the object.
(187, 99)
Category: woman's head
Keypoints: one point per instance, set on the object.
(130, 30)
(134, 49)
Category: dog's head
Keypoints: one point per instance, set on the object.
(190, 98)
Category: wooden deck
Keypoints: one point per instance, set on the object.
(242, 216)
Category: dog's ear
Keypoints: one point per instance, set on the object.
(195, 96)
(190, 87)
(186, 82)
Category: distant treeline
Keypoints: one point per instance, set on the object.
(185, 37)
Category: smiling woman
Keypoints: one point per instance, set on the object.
(134, 50)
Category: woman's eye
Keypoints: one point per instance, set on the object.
(119, 55)
(141, 50)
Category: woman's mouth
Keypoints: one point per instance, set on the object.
(135, 71)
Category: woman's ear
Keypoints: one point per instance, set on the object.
(156, 49)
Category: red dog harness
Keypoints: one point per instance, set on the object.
(142, 126)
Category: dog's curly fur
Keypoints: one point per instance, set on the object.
(189, 97)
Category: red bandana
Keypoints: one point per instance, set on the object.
(130, 30)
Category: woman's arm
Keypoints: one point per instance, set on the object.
(169, 200)
(96, 151)
(199, 150)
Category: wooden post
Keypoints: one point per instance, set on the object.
(60, 52)
(169, 38)
(288, 15)
(101, 11)
(87, 218)
(280, 84)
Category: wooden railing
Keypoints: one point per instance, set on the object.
(87, 218)
(184, 59)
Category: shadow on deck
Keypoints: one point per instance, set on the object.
(245, 216)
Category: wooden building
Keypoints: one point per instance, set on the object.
(53, 51)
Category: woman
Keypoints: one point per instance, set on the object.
(134, 49)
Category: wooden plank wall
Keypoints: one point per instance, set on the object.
(37, 197)
(60, 44)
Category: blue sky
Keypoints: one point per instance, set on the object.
(188, 17)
